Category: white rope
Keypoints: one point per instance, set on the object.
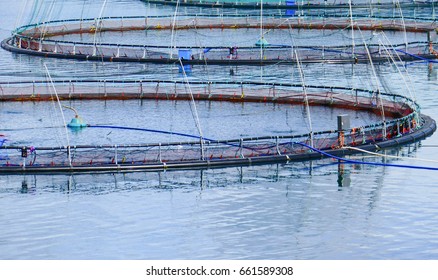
(193, 108)
(352, 26)
(62, 114)
(389, 156)
(306, 100)
(173, 31)
(411, 93)
(261, 30)
(20, 17)
(379, 96)
(98, 25)
(404, 25)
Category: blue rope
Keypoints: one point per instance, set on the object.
(149, 130)
(175, 133)
(365, 162)
(299, 143)
(419, 57)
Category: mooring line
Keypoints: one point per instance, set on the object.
(389, 156)
(366, 162)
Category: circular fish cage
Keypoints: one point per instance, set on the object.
(213, 40)
(401, 122)
(290, 4)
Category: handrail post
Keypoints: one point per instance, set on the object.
(141, 89)
(104, 88)
(159, 152)
(116, 160)
(241, 148)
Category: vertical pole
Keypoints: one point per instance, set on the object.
(69, 89)
(242, 95)
(343, 125)
(141, 89)
(364, 139)
(341, 139)
(159, 152)
(24, 156)
(356, 97)
(116, 160)
(104, 88)
(157, 88)
(202, 147)
(69, 155)
(398, 129)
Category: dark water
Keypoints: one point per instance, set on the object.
(309, 210)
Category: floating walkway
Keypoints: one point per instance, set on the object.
(41, 40)
(292, 5)
(404, 124)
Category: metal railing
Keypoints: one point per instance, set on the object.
(406, 119)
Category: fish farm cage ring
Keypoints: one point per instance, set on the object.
(287, 4)
(40, 40)
(403, 124)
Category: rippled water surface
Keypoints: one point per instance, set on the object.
(308, 210)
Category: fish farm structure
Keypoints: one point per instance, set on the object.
(49, 39)
(243, 34)
(291, 4)
(402, 123)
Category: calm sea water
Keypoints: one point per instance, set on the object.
(309, 210)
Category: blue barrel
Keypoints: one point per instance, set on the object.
(290, 13)
(185, 55)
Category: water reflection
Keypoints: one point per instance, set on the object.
(232, 213)
(432, 73)
(343, 175)
(344, 179)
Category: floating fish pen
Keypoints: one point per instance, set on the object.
(400, 123)
(94, 39)
(292, 4)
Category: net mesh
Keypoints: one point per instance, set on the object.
(402, 119)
